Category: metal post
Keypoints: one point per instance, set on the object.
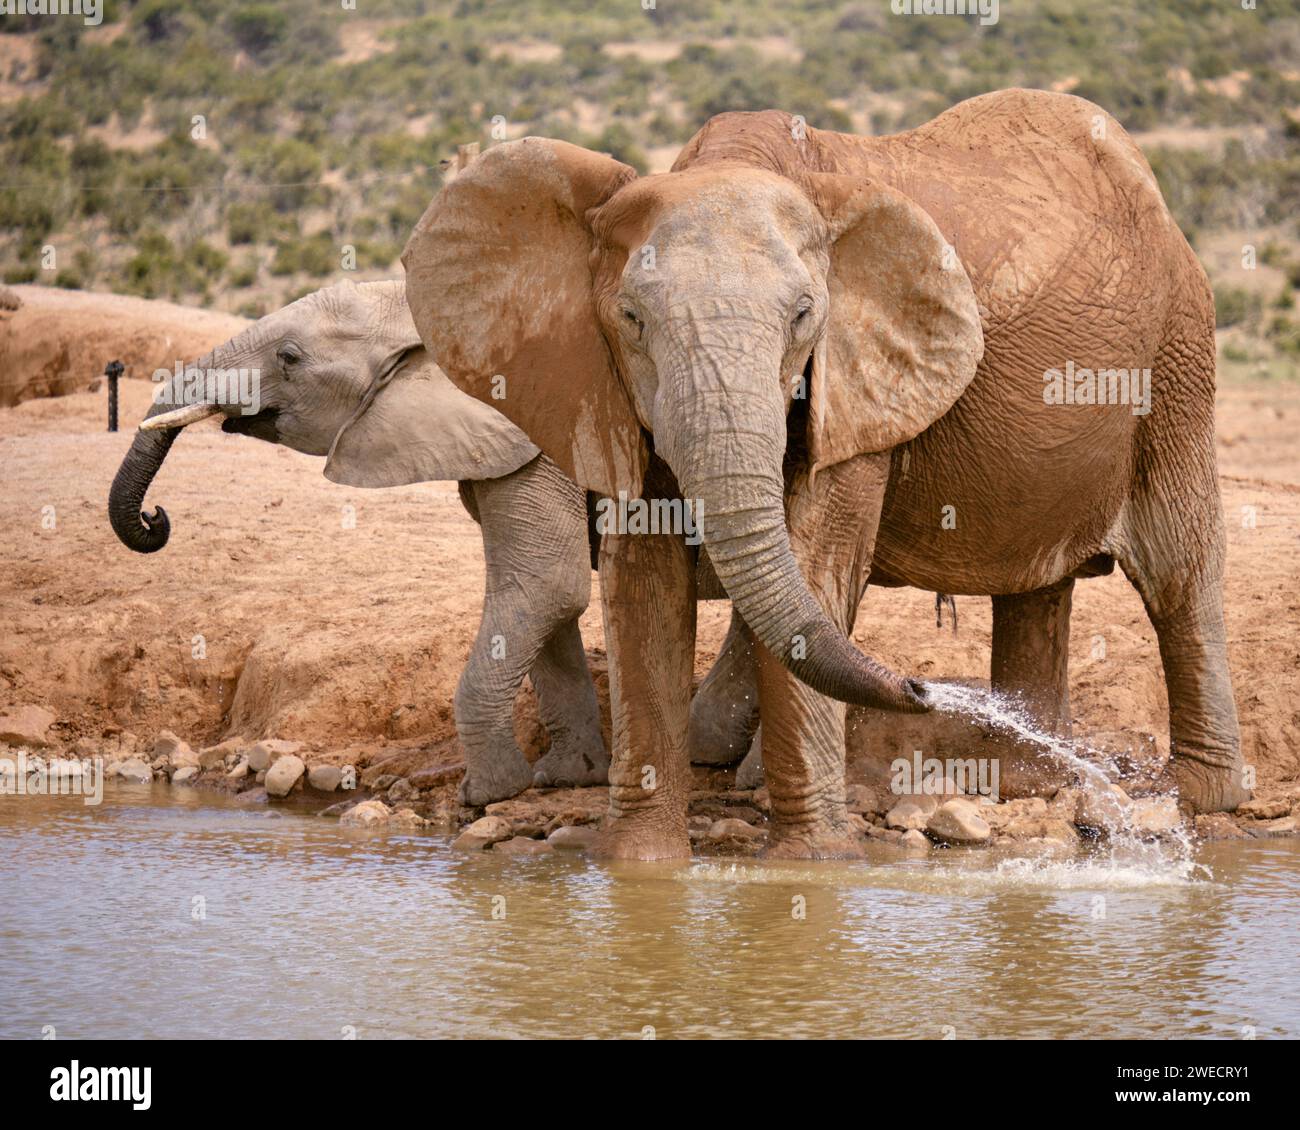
(112, 372)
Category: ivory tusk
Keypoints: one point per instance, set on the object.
(179, 417)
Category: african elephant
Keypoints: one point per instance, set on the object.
(343, 374)
(841, 348)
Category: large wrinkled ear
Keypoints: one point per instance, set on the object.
(498, 279)
(415, 426)
(903, 336)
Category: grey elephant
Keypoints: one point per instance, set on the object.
(343, 375)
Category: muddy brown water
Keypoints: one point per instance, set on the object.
(172, 913)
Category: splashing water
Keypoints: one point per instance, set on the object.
(1126, 851)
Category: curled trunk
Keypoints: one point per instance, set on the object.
(137, 530)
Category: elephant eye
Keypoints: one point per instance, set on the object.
(801, 314)
(632, 321)
(287, 355)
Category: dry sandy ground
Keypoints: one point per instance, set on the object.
(352, 635)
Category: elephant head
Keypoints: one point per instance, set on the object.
(340, 373)
(605, 313)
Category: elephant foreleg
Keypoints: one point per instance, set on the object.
(566, 700)
(648, 596)
(833, 527)
(538, 581)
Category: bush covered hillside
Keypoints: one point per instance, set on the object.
(232, 153)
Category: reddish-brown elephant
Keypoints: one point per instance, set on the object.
(847, 350)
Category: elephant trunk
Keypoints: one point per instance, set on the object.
(135, 529)
(145, 533)
(726, 444)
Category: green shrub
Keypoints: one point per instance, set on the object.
(1234, 306)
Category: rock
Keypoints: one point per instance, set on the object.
(1154, 815)
(59, 768)
(911, 812)
(214, 757)
(573, 837)
(1261, 809)
(252, 797)
(521, 845)
(761, 799)
(260, 776)
(240, 771)
(889, 835)
(483, 833)
(433, 776)
(367, 814)
(1218, 826)
(698, 826)
(175, 752)
(400, 790)
(863, 800)
(731, 829)
(999, 816)
(1065, 805)
(383, 782)
(283, 774)
(134, 769)
(185, 773)
(958, 822)
(407, 818)
(26, 725)
(324, 778)
(268, 751)
(1050, 828)
(1102, 808)
(1286, 826)
(915, 841)
(340, 808)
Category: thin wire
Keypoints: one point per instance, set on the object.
(221, 187)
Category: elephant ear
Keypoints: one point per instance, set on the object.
(903, 337)
(498, 279)
(415, 426)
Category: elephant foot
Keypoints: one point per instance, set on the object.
(1204, 785)
(498, 778)
(750, 773)
(571, 768)
(645, 836)
(833, 842)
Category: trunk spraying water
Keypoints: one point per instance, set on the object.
(725, 441)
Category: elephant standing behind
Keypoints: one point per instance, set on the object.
(915, 292)
(343, 374)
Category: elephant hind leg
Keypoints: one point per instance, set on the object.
(1172, 550)
(566, 699)
(1031, 663)
(1185, 605)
